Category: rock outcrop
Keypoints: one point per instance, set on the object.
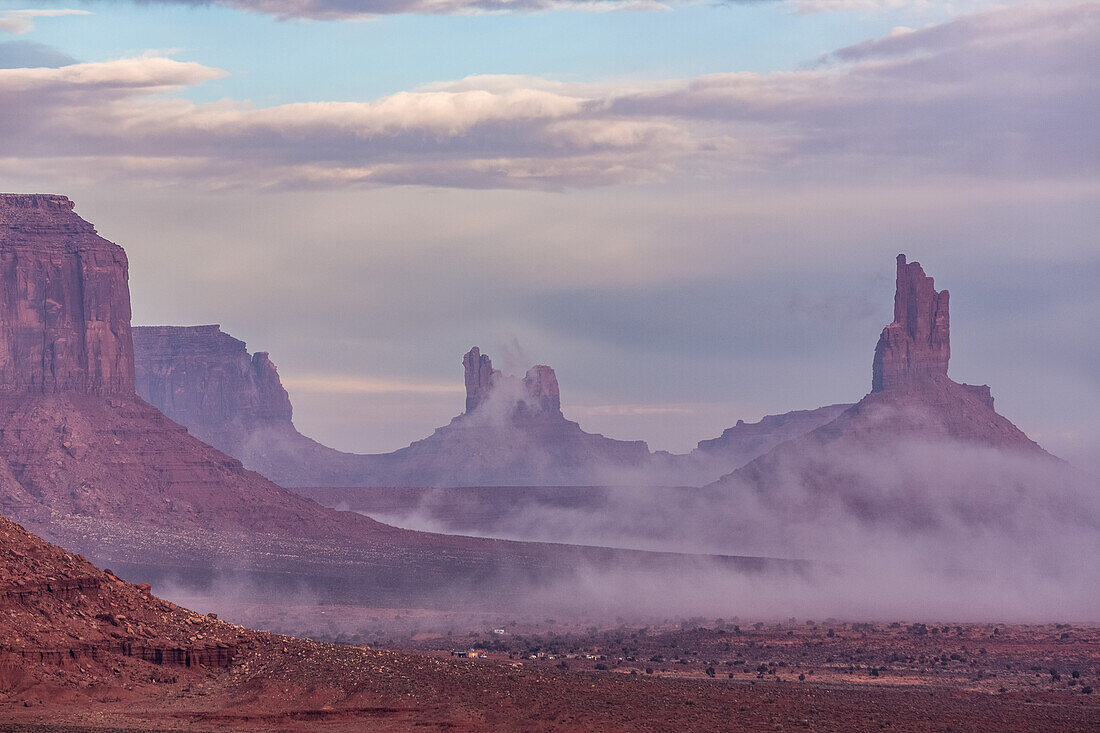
(535, 395)
(206, 380)
(64, 302)
(512, 432)
(65, 621)
(88, 464)
(745, 441)
(917, 345)
(916, 437)
(479, 377)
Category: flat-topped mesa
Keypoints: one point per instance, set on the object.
(64, 302)
(917, 345)
(205, 379)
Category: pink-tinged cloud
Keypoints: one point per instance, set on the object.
(22, 21)
(1010, 92)
(334, 10)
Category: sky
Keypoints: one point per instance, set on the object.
(690, 210)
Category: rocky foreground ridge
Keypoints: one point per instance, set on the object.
(82, 650)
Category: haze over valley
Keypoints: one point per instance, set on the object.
(549, 366)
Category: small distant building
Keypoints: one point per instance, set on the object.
(470, 654)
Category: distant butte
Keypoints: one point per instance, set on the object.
(915, 420)
(512, 431)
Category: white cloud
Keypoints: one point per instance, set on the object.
(1008, 93)
(22, 21)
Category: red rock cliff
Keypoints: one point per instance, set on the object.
(64, 302)
(917, 344)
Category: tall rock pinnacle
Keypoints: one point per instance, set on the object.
(917, 345)
(64, 302)
(479, 377)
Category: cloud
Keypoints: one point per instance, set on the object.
(23, 54)
(22, 21)
(364, 9)
(1007, 93)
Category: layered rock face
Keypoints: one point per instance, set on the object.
(66, 621)
(917, 345)
(64, 301)
(74, 438)
(206, 380)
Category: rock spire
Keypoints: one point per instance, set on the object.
(917, 345)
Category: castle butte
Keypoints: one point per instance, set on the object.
(86, 463)
(511, 433)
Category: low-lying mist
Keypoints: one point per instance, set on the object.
(928, 530)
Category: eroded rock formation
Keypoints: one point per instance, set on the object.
(541, 386)
(88, 464)
(917, 345)
(512, 431)
(206, 380)
(63, 619)
(916, 437)
(479, 377)
(535, 395)
(64, 301)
